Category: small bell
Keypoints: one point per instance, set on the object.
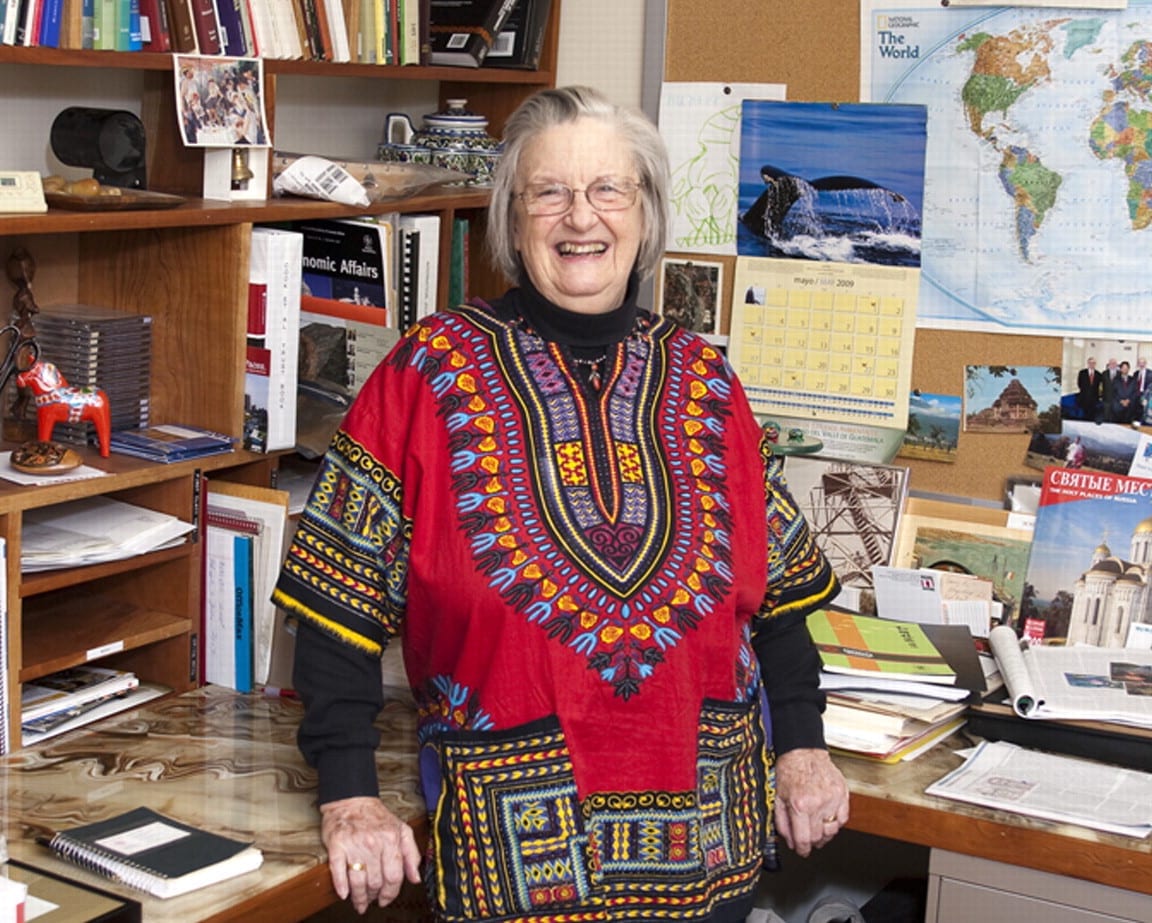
(241, 172)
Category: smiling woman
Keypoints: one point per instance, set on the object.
(565, 507)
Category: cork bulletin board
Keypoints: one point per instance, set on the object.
(813, 47)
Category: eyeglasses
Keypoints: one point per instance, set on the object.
(604, 195)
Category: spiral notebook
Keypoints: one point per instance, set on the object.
(150, 852)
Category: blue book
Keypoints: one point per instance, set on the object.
(127, 35)
(243, 576)
(50, 19)
(231, 28)
(135, 36)
(170, 442)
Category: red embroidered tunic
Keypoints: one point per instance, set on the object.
(576, 575)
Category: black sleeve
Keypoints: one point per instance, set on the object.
(342, 694)
(790, 666)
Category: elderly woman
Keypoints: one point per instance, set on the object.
(562, 506)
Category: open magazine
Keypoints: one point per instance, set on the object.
(1081, 682)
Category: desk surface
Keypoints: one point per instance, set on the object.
(889, 801)
(229, 763)
(212, 758)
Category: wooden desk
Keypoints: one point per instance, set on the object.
(229, 763)
(212, 758)
(889, 801)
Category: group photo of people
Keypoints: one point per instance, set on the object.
(1113, 384)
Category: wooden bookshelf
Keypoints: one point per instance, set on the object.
(187, 267)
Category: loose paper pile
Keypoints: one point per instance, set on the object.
(1061, 788)
(93, 530)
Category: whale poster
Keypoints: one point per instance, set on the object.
(833, 182)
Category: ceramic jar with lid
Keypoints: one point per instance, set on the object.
(455, 138)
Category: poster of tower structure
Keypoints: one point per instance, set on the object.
(853, 510)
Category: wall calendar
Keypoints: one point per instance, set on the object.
(826, 341)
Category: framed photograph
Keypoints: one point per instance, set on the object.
(853, 510)
(970, 540)
(688, 292)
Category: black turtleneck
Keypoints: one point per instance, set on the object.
(582, 333)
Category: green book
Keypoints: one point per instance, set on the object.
(862, 645)
(458, 263)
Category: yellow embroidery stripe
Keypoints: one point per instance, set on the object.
(811, 601)
(352, 638)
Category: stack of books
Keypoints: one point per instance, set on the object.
(170, 442)
(891, 692)
(96, 347)
(72, 698)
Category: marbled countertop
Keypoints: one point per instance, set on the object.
(212, 758)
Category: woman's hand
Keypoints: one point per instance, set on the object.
(811, 799)
(370, 850)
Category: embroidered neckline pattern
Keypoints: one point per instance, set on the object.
(577, 519)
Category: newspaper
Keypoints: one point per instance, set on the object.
(1082, 682)
(1060, 788)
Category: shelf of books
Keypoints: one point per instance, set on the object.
(506, 39)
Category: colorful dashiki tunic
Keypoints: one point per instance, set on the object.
(574, 572)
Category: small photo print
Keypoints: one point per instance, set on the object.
(933, 426)
(688, 293)
(1107, 381)
(220, 101)
(1081, 444)
(1008, 399)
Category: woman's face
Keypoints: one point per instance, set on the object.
(579, 260)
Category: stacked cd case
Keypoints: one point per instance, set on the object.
(99, 347)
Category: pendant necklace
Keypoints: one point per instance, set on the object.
(595, 369)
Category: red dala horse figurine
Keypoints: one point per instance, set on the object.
(59, 402)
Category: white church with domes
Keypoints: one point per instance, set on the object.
(1113, 593)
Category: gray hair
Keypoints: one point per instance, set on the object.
(560, 106)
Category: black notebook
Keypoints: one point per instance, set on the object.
(150, 852)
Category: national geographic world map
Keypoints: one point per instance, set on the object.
(1038, 187)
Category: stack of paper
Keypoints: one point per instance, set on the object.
(891, 691)
(888, 726)
(1072, 791)
(92, 530)
(72, 698)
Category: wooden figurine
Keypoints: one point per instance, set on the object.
(59, 402)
